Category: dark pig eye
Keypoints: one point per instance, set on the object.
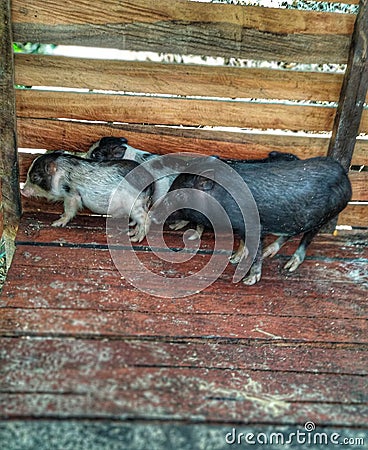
(35, 178)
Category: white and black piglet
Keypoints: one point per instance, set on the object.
(79, 182)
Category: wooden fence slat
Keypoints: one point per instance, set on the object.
(78, 136)
(169, 111)
(176, 79)
(353, 92)
(198, 40)
(354, 215)
(359, 181)
(189, 28)
(272, 20)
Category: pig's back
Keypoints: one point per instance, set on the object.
(297, 196)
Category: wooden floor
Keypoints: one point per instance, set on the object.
(84, 353)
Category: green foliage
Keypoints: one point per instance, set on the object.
(33, 48)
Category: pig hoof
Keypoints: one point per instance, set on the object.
(137, 237)
(178, 225)
(251, 279)
(235, 258)
(197, 234)
(59, 223)
(271, 250)
(293, 263)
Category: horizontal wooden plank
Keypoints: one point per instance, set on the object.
(117, 324)
(359, 182)
(189, 28)
(129, 383)
(77, 289)
(177, 79)
(173, 111)
(86, 353)
(121, 406)
(272, 20)
(319, 268)
(78, 136)
(196, 39)
(354, 215)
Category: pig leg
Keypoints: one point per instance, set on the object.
(72, 203)
(272, 249)
(255, 272)
(237, 256)
(299, 256)
(141, 217)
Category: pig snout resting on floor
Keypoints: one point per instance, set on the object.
(99, 186)
(293, 197)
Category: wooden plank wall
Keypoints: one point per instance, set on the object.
(169, 107)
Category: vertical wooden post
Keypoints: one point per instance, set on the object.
(353, 92)
(9, 169)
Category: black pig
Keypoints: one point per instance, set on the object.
(292, 197)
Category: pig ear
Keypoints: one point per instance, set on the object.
(203, 182)
(51, 168)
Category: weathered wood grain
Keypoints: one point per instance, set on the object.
(78, 341)
(176, 79)
(359, 181)
(353, 92)
(78, 136)
(118, 324)
(169, 111)
(239, 388)
(354, 215)
(101, 12)
(98, 355)
(214, 410)
(189, 28)
(9, 183)
(77, 289)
